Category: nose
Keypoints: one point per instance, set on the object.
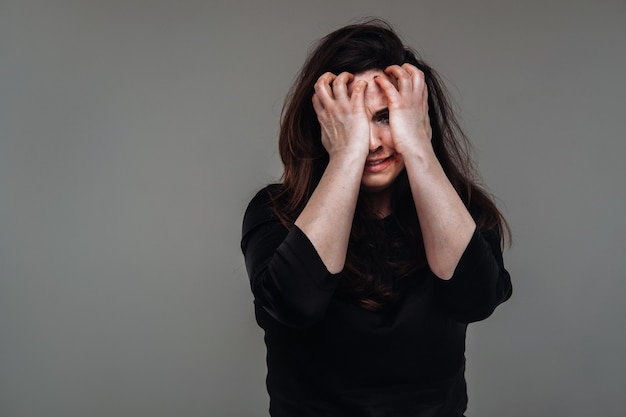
(376, 142)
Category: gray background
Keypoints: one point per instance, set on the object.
(133, 134)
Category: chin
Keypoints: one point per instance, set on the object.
(376, 183)
(374, 188)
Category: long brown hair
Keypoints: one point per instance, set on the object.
(370, 269)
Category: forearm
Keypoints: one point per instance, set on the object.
(445, 222)
(327, 217)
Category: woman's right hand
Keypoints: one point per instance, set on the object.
(340, 109)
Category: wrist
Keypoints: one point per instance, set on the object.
(417, 149)
(420, 157)
(348, 154)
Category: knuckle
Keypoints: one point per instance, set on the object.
(324, 78)
(340, 80)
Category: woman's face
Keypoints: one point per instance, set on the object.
(383, 163)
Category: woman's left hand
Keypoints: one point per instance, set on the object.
(408, 108)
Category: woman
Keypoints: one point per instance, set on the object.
(378, 248)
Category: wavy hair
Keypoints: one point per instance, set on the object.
(371, 266)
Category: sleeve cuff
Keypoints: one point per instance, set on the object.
(300, 247)
(473, 257)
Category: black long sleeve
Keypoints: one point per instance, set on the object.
(326, 357)
(479, 283)
(290, 281)
(287, 276)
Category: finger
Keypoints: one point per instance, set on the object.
(317, 105)
(393, 96)
(357, 90)
(418, 77)
(340, 85)
(323, 86)
(403, 77)
(419, 83)
(411, 69)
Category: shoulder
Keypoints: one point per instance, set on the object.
(263, 198)
(260, 208)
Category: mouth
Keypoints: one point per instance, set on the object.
(379, 164)
(378, 161)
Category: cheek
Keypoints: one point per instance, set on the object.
(399, 162)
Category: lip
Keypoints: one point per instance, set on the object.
(378, 164)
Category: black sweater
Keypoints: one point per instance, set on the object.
(327, 358)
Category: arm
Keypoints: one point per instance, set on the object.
(292, 272)
(287, 277)
(327, 217)
(473, 280)
(446, 225)
(480, 282)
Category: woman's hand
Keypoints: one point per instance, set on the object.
(342, 117)
(408, 108)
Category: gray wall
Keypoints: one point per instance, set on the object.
(133, 134)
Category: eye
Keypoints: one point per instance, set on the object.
(383, 119)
